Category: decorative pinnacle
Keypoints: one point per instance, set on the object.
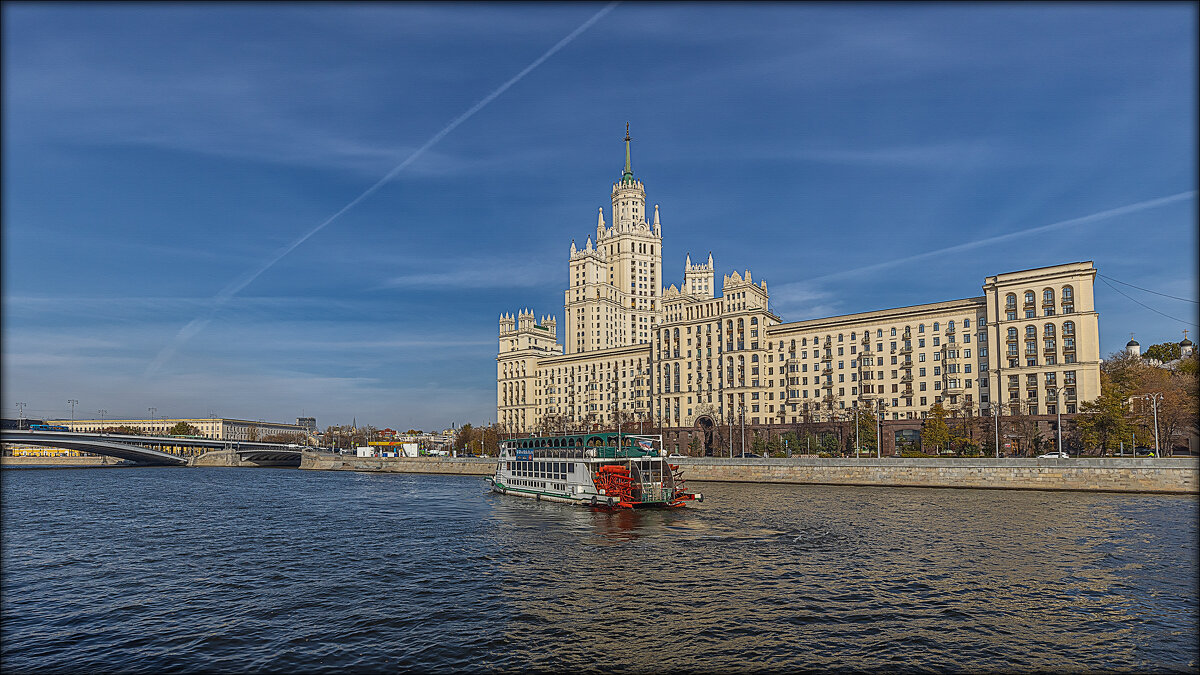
(627, 177)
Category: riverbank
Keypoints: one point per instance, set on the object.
(1108, 474)
(61, 462)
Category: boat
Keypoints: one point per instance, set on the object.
(600, 470)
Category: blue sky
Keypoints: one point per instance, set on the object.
(159, 157)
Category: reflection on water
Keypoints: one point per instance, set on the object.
(235, 569)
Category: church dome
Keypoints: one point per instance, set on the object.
(1133, 343)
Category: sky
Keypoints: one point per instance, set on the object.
(266, 211)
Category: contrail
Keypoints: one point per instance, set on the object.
(1102, 215)
(221, 298)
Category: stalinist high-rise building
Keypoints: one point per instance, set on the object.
(686, 358)
(614, 297)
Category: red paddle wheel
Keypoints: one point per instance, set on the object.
(616, 482)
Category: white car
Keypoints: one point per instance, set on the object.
(1054, 455)
(676, 455)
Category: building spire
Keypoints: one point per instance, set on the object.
(627, 177)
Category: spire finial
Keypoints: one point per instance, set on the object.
(627, 177)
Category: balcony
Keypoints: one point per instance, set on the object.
(907, 377)
(906, 349)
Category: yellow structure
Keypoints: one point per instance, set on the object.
(683, 357)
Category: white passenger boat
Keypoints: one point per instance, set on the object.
(603, 470)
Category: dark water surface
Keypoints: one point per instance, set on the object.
(187, 570)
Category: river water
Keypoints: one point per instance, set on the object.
(234, 570)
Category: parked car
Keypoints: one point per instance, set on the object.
(748, 455)
(1144, 452)
(676, 455)
(1054, 455)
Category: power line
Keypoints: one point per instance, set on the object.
(1173, 297)
(1186, 323)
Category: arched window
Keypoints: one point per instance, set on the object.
(1067, 293)
(754, 358)
(1048, 329)
(950, 325)
(1029, 297)
(853, 337)
(1048, 296)
(1068, 328)
(1010, 301)
(1030, 332)
(754, 321)
(936, 326)
(893, 331)
(1012, 333)
(920, 328)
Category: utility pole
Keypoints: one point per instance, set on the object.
(21, 415)
(73, 403)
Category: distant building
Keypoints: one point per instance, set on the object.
(219, 428)
(686, 358)
(309, 423)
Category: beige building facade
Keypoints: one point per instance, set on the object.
(684, 357)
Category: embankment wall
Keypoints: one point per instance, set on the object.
(1155, 475)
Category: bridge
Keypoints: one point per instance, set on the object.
(160, 450)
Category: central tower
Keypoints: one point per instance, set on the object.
(613, 297)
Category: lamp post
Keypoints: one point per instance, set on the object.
(1058, 411)
(21, 415)
(996, 409)
(856, 430)
(102, 413)
(731, 434)
(878, 428)
(1154, 399)
(152, 411)
(73, 403)
(743, 416)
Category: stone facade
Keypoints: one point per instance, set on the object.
(638, 351)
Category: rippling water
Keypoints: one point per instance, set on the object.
(146, 570)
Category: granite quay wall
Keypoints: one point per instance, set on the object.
(469, 466)
(60, 461)
(1162, 475)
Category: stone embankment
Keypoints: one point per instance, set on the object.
(1110, 474)
(470, 466)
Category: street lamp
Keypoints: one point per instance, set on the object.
(856, 430)
(1058, 410)
(73, 402)
(743, 415)
(21, 415)
(1154, 399)
(102, 413)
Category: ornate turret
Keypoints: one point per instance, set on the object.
(1185, 347)
(600, 225)
(698, 279)
(628, 197)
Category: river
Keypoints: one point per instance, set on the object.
(233, 570)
